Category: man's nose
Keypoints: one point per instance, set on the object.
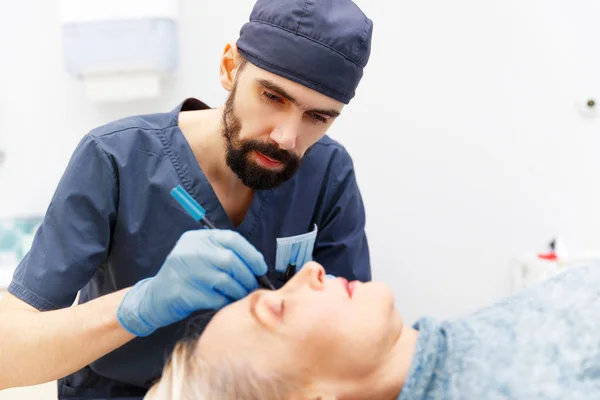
(285, 134)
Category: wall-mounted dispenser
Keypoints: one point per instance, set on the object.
(120, 50)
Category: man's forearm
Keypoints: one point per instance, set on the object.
(38, 347)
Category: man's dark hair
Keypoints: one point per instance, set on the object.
(243, 63)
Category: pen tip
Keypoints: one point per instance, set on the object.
(265, 282)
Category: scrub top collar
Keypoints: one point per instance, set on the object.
(196, 183)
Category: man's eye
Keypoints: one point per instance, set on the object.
(319, 118)
(271, 97)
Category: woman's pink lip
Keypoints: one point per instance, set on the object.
(351, 287)
(269, 162)
(346, 286)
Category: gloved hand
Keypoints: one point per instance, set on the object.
(207, 269)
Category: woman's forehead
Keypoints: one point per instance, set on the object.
(231, 324)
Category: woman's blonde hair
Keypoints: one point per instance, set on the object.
(188, 376)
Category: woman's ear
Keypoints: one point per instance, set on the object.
(269, 309)
(230, 60)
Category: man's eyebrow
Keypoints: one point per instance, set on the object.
(330, 113)
(277, 89)
(280, 91)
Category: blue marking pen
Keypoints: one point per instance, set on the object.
(197, 212)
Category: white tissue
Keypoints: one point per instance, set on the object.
(122, 86)
(78, 11)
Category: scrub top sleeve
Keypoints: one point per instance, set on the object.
(341, 245)
(74, 237)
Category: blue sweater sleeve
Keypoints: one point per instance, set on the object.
(74, 237)
(541, 343)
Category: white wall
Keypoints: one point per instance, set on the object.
(465, 134)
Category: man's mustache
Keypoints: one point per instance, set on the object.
(270, 150)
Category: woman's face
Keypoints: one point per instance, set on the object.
(326, 331)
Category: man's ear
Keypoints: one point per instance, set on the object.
(230, 62)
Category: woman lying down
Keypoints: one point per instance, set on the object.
(318, 338)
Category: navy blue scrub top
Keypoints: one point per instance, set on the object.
(112, 222)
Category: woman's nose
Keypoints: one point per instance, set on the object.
(312, 274)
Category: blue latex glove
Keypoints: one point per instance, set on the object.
(207, 269)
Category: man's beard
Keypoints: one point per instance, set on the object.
(238, 154)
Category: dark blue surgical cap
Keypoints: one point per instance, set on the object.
(321, 44)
